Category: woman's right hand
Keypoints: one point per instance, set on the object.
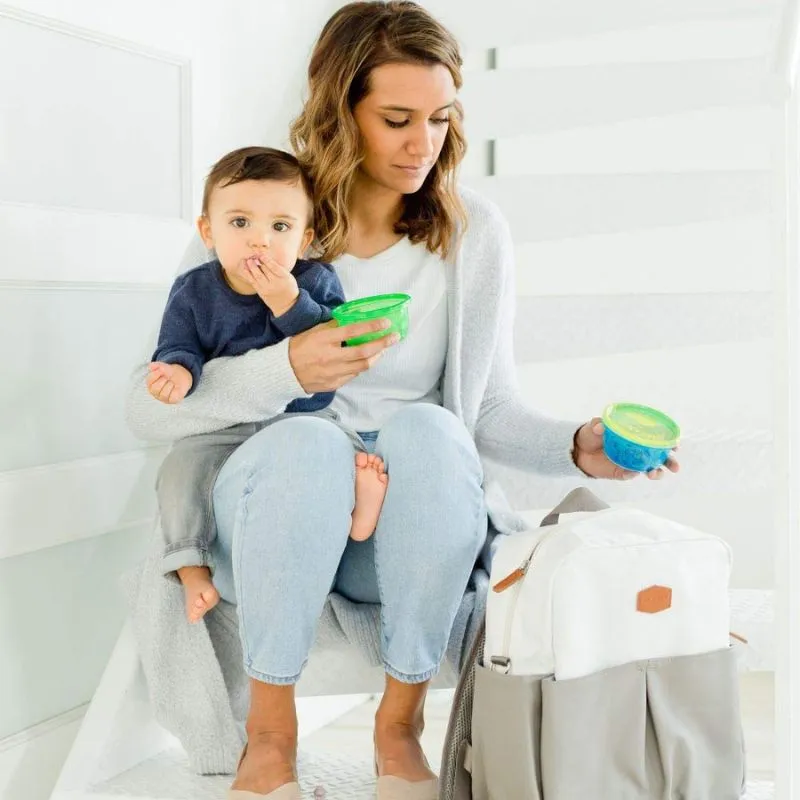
(321, 364)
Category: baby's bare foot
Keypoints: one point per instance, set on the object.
(371, 483)
(199, 603)
(200, 593)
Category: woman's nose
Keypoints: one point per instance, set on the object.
(421, 143)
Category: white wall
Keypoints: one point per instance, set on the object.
(113, 114)
(634, 159)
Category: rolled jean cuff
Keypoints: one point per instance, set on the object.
(274, 680)
(189, 556)
(404, 677)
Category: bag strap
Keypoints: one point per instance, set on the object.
(459, 726)
(578, 500)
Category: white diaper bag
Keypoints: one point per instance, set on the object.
(586, 592)
(605, 670)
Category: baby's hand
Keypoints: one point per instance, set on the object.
(168, 383)
(275, 284)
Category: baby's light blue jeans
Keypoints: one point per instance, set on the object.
(283, 502)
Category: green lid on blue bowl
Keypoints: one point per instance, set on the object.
(642, 425)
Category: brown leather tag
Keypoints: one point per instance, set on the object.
(654, 599)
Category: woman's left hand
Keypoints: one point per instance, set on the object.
(591, 459)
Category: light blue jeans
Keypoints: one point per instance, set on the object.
(283, 502)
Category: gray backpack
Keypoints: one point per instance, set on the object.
(660, 729)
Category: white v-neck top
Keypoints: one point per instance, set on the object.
(410, 371)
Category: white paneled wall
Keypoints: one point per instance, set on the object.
(728, 249)
(82, 339)
(101, 157)
(632, 152)
(573, 25)
(61, 611)
(111, 116)
(52, 245)
(95, 155)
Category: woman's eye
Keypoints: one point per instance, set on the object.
(392, 124)
(281, 227)
(239, 222)
(440, 120)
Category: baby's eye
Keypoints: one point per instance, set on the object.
(281, 227)
(239, 222)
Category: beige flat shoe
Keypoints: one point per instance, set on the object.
(289, 791)
(390, 787)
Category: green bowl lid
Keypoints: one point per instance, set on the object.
(642, 425)
(370, 307)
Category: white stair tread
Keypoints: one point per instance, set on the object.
(753, 618)
(325, 777)
(760, 790)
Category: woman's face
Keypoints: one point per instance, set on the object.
(403, 122)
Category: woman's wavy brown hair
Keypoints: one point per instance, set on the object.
(358, 38)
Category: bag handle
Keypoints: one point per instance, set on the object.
(578, 500)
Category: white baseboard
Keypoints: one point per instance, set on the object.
(31, 760)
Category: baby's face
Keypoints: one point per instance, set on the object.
(257, 218)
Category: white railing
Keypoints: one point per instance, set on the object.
(787, 405)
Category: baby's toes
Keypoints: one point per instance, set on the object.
(199, 602)
(196, 609)
(362, 460)
(211, 597)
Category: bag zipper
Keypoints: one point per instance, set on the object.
(502, 663)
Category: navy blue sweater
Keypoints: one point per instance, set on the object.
(205, 318)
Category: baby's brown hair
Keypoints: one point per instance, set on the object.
(258, 164)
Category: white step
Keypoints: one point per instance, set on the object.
(326, 777)
(753, 618)
(168, 777)
(121, 752)
(760, 790)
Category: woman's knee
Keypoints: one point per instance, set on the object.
(294, 449)
(426, 431)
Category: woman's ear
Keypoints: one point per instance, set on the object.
(204, 229)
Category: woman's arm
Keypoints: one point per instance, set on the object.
(507, 430)
(247, 388)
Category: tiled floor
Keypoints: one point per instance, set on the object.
(351, 735)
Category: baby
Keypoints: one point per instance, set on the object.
(258, 218)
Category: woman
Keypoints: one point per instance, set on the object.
(381, 136)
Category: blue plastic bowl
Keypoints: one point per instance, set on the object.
(632, 456)
(638, 438)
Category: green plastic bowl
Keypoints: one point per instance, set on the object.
(393, 307)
